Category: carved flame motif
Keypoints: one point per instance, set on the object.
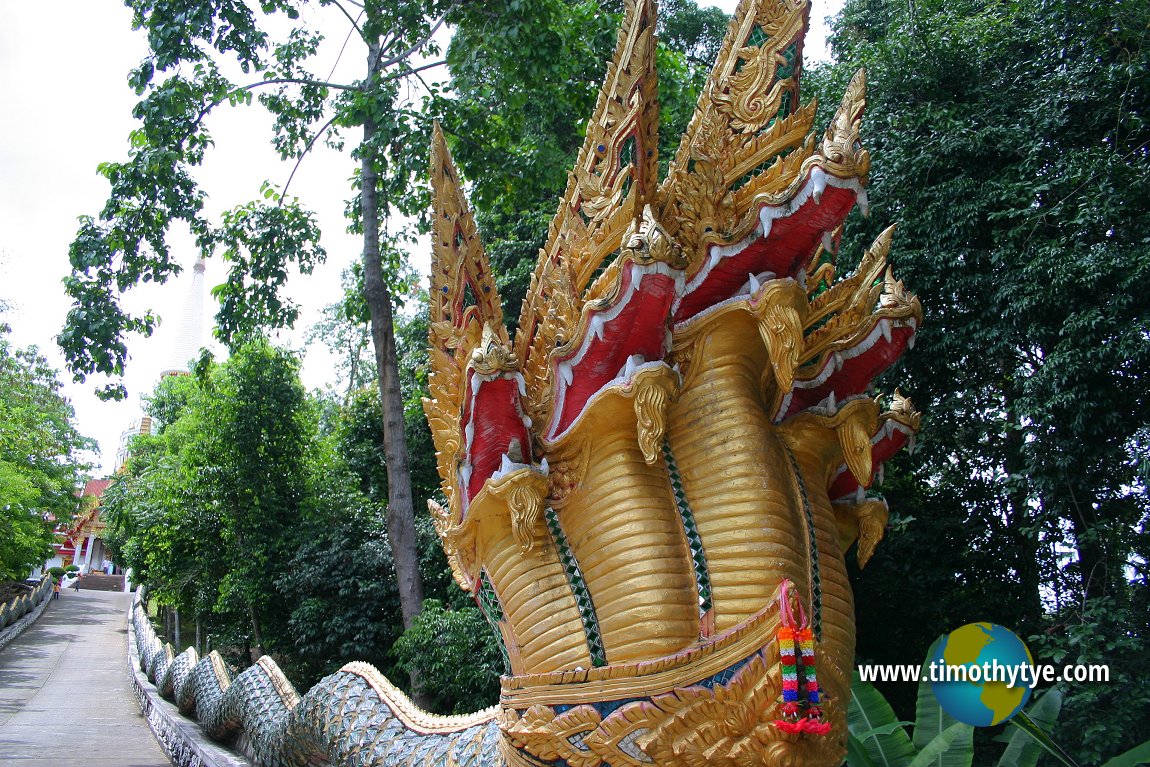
(666, 443)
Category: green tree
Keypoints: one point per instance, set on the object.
(185, 77)
(457, 655)
(255, 445)
(211, 508)
(41, 462)
(340, 582)
(1010, 143)
(154, 524)
(345, 330)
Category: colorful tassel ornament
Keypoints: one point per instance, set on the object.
(801, 707)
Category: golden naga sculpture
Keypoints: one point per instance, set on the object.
(651, 489)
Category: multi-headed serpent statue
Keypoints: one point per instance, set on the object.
(651, 489)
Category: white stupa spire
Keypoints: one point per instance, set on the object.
(181, 342)
(189, 336)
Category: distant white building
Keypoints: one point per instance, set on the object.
(189, 336)
(184, 344)
(80, 542)
(142, 425)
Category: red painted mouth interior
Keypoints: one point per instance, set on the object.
(845, 485)
(786, 249)
(855, 375)
(497, 423)
(639, 328)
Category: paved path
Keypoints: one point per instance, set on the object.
(66, 696)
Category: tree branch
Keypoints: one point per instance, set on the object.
(297, 81)
(418, 76)
(251, 86)
(354, 22)
(381, 63)
(408, 70)
(343, 48)
(303, 154)
(1042, 213)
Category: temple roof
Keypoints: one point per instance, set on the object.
(95, 487)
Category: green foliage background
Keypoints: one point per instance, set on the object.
(42, 461)
(1009, 142)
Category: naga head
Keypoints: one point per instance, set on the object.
(493, 354)
(647, 242)
(671, 460)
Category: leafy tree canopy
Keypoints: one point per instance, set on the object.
(205, 55)
(41, 458)
(210, 507)
(1010, 142)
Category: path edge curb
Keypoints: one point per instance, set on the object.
(17, 628)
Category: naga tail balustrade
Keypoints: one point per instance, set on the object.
(650, 489)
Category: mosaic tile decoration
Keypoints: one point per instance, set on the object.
(578, 588)
(698, 556)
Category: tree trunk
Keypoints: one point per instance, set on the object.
(1093, 564)
(176, 633)
(257, 645)
(400, 512)
(1024, 544)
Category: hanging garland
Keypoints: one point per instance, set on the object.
(801, 708)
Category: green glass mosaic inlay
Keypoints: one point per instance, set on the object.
(698, 556)
(791, 54)
(579, 589)
(627, 157)
(786, 105)
(492, 610)
(766, 164)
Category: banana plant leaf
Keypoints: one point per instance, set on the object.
(869, 714)
(1023, 722)
(1132, 758)
(931, 721)
(947, 748)
(1022, 750)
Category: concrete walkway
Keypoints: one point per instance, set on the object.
(66, 696)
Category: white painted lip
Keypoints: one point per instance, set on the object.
(883, 329)
(743, 296)
(633, 366)
(508, 466)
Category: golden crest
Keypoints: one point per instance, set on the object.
(611, 183)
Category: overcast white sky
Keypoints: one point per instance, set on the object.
(65, 107)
